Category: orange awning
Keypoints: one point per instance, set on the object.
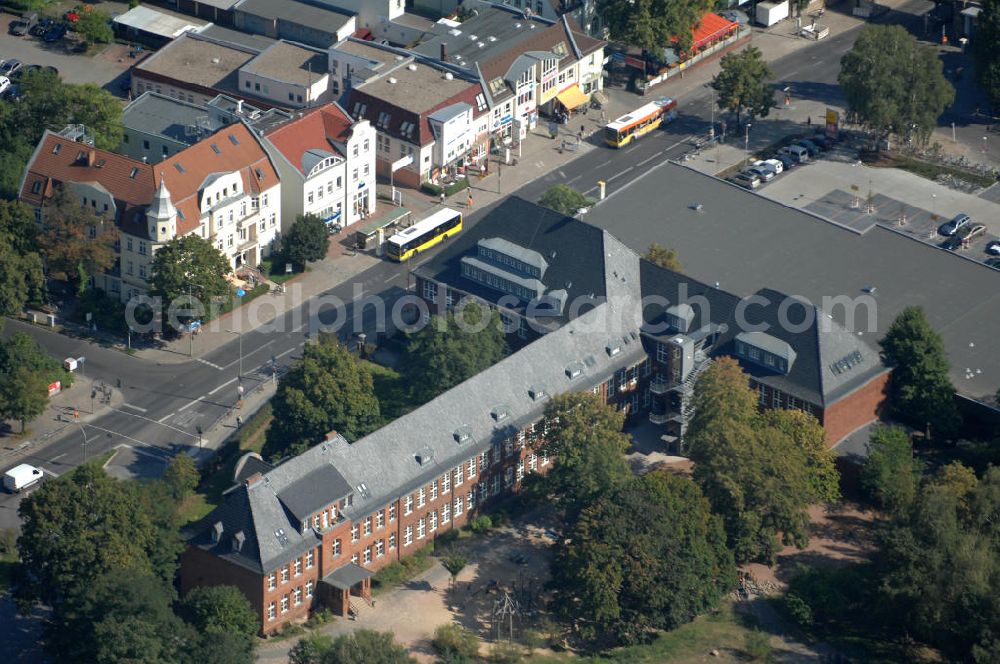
(573, 97)
(710, 28)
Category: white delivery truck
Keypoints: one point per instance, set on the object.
(21, 477)
(769, 13)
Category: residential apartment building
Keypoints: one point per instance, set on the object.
(429, 121)
(326, 161)
(224, 189)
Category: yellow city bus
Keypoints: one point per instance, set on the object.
(424, 234)
(640, 122)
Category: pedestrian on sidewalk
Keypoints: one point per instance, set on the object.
(442, 198)
(239, 422)
(809, 121)
(469, 201)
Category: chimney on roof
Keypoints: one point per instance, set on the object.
(239, 106)
(444, 53)
(253, 479)
(238, 540)
(331, 436)
(91, 156)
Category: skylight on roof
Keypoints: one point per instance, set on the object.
(215, 149)
(180, 169)
(56, 148)
(260, 173)
(233, 139)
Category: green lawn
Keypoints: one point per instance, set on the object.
(8, 561)
(725, 630)
(274, 268)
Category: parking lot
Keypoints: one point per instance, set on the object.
(101, 68)
(838, 188)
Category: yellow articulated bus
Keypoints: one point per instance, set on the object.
(640, 122)
(424, 234)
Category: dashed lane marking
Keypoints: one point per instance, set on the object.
(211, 364)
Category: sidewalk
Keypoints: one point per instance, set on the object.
(69, 408)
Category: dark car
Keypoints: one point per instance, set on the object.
(952, 227)
(10, 67)
(994, 263)
(23, 25)
(42, 27)
(822, 141)
(785, 160)
(810, 147)
(55, 33)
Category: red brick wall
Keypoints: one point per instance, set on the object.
(855, 410)
(200, 568)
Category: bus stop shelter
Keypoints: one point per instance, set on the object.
(366, 237)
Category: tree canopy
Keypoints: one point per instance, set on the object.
(327, 390)
(25, 373)
(742, 84)
(920, 391)
(220, 610)
(452, 348)
(646, 555)
(95, 26)
(652, 24)
(759, 471)
(664, 257)
(22, 279)
(585, 437)
(564, 200)
(77, 244)
(893, 84)
(984, 48)
(307, 240)
(890, 475)
(189, 264)
(363, 645)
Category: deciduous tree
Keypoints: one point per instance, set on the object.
(189, 267)
(181, 476)
(646, 555)
(76, 243)
(24, 396)
(363, 645)
(664, 257)
(564, 200)
(984, 48)
(95, 26)
(586, 439)
(220, 610)
(893, 84)
(453, 348)
(920, 391)
(327, 390)
(307, 240)
(651, 25)
(743, 85)
(890, 474)
(760, 473)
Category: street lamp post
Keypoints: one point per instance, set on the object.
(746, 146)
(240, 335)
(85, 442)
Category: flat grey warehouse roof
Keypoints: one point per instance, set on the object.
(746, 242)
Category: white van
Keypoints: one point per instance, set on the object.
(796, 152)
(21, 477)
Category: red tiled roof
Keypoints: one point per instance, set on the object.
(711, 27)
(132, 183)
(319, 129)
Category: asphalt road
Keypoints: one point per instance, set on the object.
(165, 403)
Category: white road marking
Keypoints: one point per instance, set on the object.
(164, 418)
(133, 407)
(574, 179)
(188, 405)
(620, 173)
(231, 380)
(160, 422)
(300, 327)
(646, 161)
(57, 457)
(283, 353)
(211, 364)
(392, 278)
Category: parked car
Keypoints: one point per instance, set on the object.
(796, 152)
(810, 146)
(735, 16)
(963, 236)
(952, 227)
(746, 180)
(765, 171)
(786, 160)
(41, 27)
(4, 84)
(993, 248)
(23, 25)
(822, 141)
(993, 263)
(10, 67)
(55, 33)
(776, 164)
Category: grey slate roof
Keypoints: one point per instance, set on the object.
(347, 576)
(310, 493)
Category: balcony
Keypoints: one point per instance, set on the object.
(659, 385)
(660, 418)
